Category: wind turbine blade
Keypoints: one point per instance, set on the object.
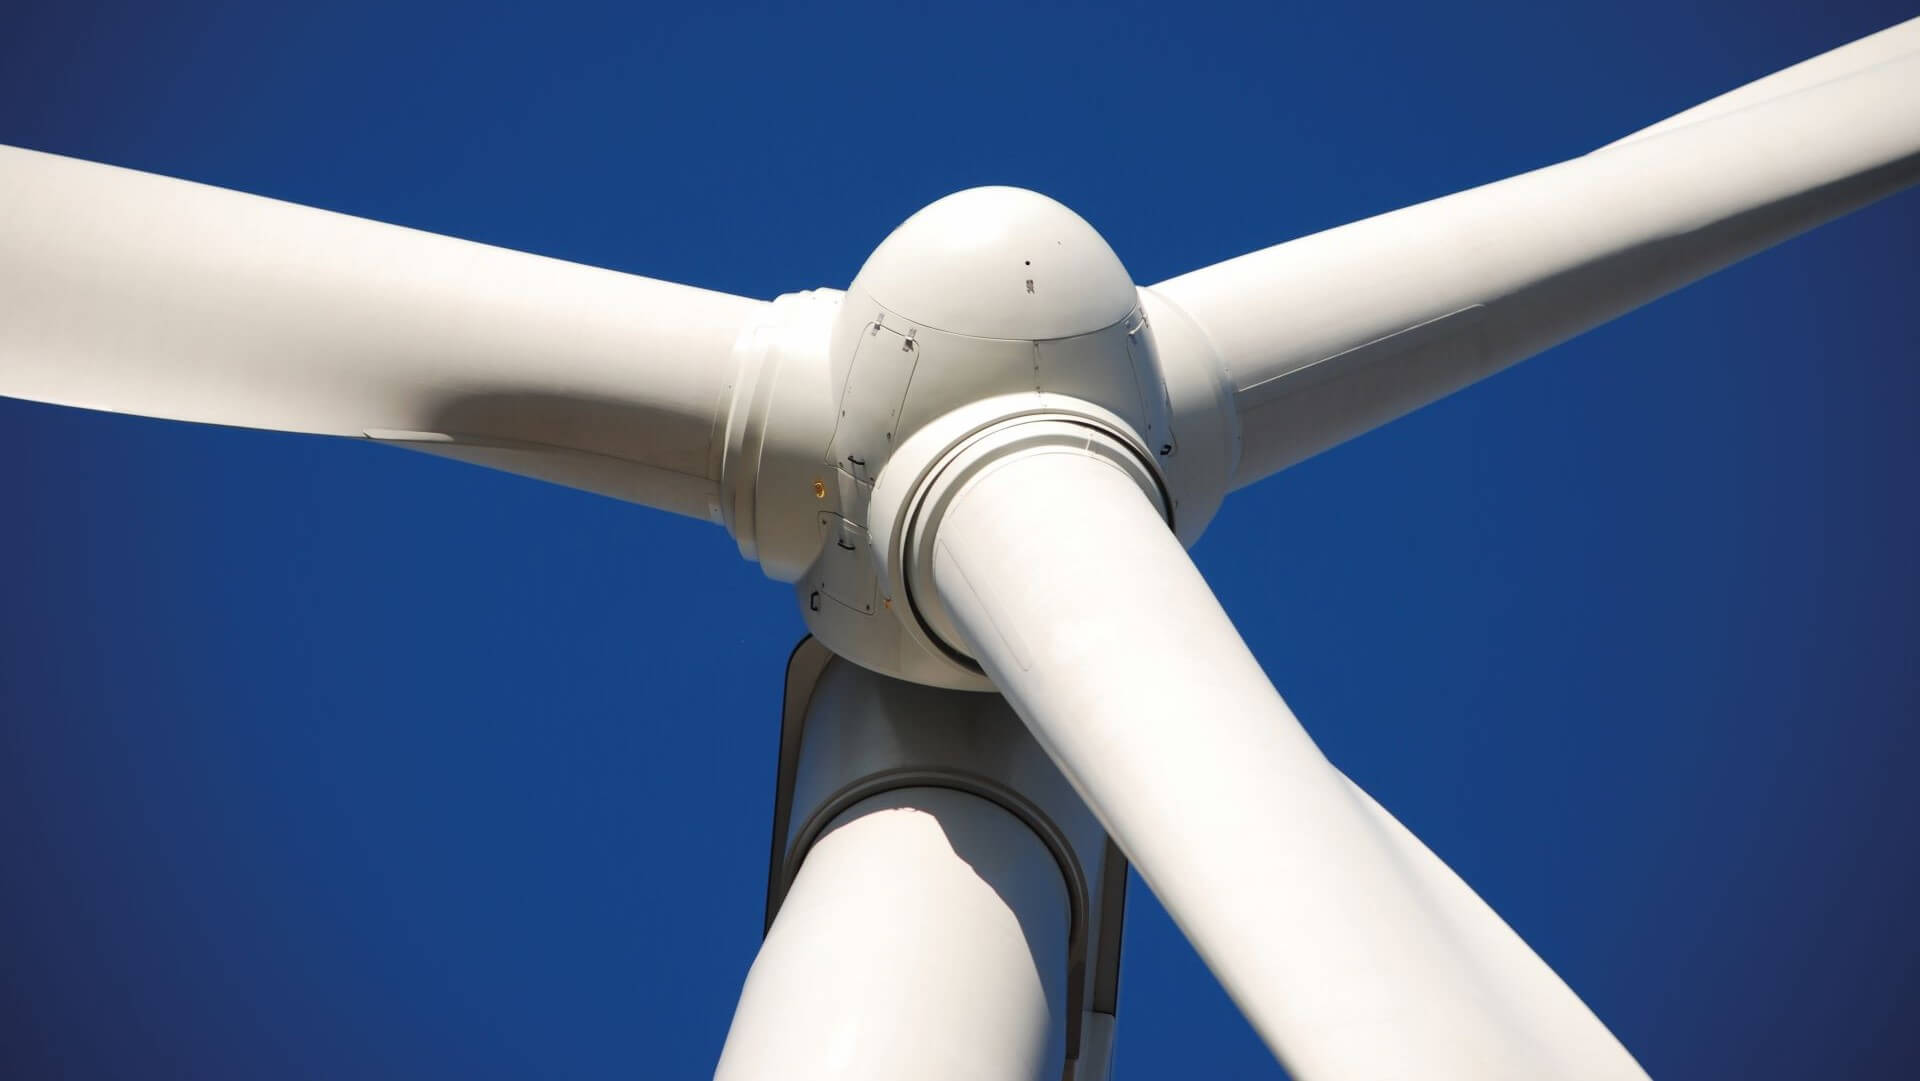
(1350, 949)
(135, 293)
(1893, 43)
(1332, 335)
(1542, 1003)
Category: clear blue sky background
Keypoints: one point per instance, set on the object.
(326, 760)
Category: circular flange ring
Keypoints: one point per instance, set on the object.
(930, 470)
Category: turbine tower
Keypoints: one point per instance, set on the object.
(980, 466)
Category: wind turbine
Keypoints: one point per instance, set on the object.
(1098, 421)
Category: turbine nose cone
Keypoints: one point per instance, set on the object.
(1000, 263)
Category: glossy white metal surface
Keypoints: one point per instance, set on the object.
(1539, 1002)
(999, 262)
(1332, 335)
(1206, 428)
(997, 299)
(925, 937)
(903, 379)
(1893, 43)
(141, 294)
(1320, 923)
(848, 734)
(928, 930)
(782, 414)
(939, 463)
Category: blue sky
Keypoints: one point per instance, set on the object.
(326, 760)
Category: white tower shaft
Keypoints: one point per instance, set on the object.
(925, 937)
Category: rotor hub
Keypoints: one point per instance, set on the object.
(998, 263)
(990, 305)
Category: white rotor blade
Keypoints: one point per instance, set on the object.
(135, 293)
(1542, 1004)
(1890, 44)
(1350, 949)
(1329, 336)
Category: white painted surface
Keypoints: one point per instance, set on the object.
(1355, 952)
(1893, 43)
(993, 295)
(1334, 334)
(141, 294)
(925, 937)
(781, 415)
(1000, 263)
(1317, 918)
(860, 733)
